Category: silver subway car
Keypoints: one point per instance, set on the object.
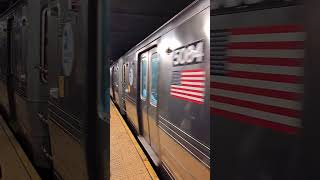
(163, 86)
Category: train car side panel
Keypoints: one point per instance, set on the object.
(256, 93)
(131, 91)
(67, 115)
(4, 101)
(168, 93)
(184, 99)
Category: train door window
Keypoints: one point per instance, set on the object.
(16, 64)
(10, 45)
(116, 77)
(143, 92)
(43, 60)
(124, 73)
(154, 79)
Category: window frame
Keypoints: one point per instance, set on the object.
(124, 73)
(43, 60)
(143, 57)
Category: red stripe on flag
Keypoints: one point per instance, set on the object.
(265, 76)
(255, 121)
(198, 91)
(192, 70)
(257, 91)
(267, 45)
(187, 99)
(195, 75)
(187, 80)
(186, 94)
(257, 106)
(267, 29)
(191, 85)
(266, 61)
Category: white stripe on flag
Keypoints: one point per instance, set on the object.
(188, 97)
(298, 71)
(277, 102)
(187, 92)
(192, 83)
(193, 73)
(258, 114)
(193, 78)
(274, 37)
(287, 87)
(188, 87)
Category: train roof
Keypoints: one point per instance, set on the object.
(194, 8)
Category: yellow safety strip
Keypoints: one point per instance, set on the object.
(20, 153)
(144, 158)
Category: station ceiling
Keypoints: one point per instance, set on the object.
(4, 4)
(134, 20)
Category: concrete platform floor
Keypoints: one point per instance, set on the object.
(127, 160)
(14, 163)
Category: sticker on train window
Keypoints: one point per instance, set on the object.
(190, 54)
(131, 76)
(67, 49)
(154, 79)
(144, 76)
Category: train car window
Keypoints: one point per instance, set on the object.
(124, 73)
(18, 53)
(154, 79)
(143, 75)
(16, 66)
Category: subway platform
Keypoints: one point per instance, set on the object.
(14, 163)
(127, 159)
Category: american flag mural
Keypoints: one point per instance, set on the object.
(189, 85)
(256, 75)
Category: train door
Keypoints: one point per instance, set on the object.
(124, 85)
(111, 83)
(149, 97)
(10, 76)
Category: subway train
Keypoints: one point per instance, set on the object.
(257, 89)
(23, 90)
(44, 80)
(162, 85)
